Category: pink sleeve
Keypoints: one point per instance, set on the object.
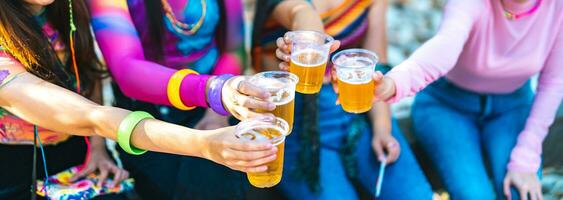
(137, 77)
(232, 60)
(439, 54)
(228, 63)
(526, 156)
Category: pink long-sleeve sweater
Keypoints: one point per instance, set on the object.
(479, 49)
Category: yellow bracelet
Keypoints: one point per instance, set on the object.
(173, 89)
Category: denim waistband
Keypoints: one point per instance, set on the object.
(476, 102)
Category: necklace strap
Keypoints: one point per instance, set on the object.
(515, 16)
(180, 27)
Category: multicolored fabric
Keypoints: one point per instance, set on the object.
(60, 188)
(14, 130)
(146, 80)
(347, 22)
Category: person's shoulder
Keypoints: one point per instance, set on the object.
(558, 4)
(474, 8)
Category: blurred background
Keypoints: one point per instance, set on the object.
(409, 24)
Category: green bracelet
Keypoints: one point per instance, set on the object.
(126, 129)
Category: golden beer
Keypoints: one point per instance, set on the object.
(309, 66)
(309, 55)
(281, 86)
(265, 129)
(354, 70)
(285, 111)
(356, 97)
(273, 175)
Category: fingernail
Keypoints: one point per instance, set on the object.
(274, 149)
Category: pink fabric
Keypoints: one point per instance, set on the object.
(122, 49)
(480, 50)
(228, 64)
(191, 96)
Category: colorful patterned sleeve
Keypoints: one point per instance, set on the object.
(233, 58)
(10, 68)
(121, 47)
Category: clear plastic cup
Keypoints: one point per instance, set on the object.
(309, 55)
(281, 86)
(268, 129)
(354, 71)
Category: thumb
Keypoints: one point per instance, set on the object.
(335, 45)
(378, 151)
(506, 188)
(380, 87)
(377, 77)
(334, 79)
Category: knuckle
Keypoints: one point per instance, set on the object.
(225, 155)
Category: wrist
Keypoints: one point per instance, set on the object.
(202, 145)
(381, 132)
(215, 94)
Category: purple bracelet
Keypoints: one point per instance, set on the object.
(214, 97)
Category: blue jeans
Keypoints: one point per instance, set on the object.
(403, 179)
(462, 132)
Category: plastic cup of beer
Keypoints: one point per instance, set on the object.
(281, 86)
(271, 129)
(309, 55)
(354, 70)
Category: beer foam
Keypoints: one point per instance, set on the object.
(263, 133)
(355, 76)
(308, 58)
(281, 96)
(354, 70)
(280, 92)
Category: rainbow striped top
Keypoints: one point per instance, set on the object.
(122, 34)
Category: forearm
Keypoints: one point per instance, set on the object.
(55, 108)
(380, 116)
(97, 143)
(298, 15)
(151, 134)
(376, 39)
(136, 76)
(430, 62)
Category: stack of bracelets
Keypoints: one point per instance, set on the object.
(214, 100)
(214, 97)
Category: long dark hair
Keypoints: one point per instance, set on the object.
(155, 20)
(22, 37)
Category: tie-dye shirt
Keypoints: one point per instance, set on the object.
(14, 130)
(121, 29)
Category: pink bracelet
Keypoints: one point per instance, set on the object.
(192, 90)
